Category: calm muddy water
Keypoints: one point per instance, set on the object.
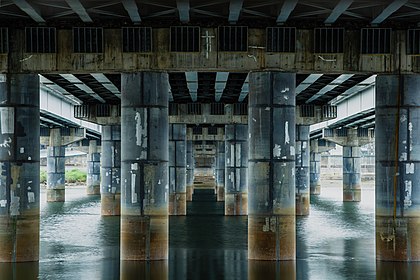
(335, 242)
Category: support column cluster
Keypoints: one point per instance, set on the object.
(302, 169)
(220, 170)
(144, 174)
(352, 179)
(271, 217)
(236, 149)
(177, 169)
(315, 168)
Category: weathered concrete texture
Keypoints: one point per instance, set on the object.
(397, 153)
(177, 169)
(220, 170)
(302, 170)
(190, 170)
(236, 169)
(271, 192)
(93, 169)
(144, 172)
(56, 167)
(19, 162)
(111, 170)
(314, 168)
(351, 174)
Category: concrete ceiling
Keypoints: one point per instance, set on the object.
(252, 12)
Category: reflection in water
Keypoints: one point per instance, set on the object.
(271, 270)
(397, 270)
(19, 271)
(336, 241)
(153, 270)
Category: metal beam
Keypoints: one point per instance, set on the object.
(192, 82)
(183, 10)
(78, 8)
(339, 9)
(307, 82)
(220, 85)
(235, 8)
(29, 10)
(131, 7)
(286, 10)
(341, 79)
(393, 7)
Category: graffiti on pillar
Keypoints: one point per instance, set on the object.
(141, 132)
(407, 194)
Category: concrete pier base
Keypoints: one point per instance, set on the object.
(351, 174)
(397, 168)
(19, 163)
(111, 170)
(271, 192)
(56, 167)
(145, 168)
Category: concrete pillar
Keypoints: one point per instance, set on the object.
(220, 170)
(397, 154)
(190, 169)
(351, 173)
(302, 170)
(19, 160)
(236, 169)
(271, 191)
(145, 154)
(94, 169)
(315, 168)
(56, 167)
(111, 170)
(177, 169)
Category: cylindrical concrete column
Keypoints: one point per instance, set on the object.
(19, 160)
(302, 170)
(315, 168)
(56, 167)
(177, 169)
(351, 174)
(111, 170)
(271, 191)
(220, 170)
(397, 154)
(236, 169)
(190, 169)
(93, 169)
(145, 155)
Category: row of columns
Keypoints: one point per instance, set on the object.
(138, 160)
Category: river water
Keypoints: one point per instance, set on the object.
(336, 241)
